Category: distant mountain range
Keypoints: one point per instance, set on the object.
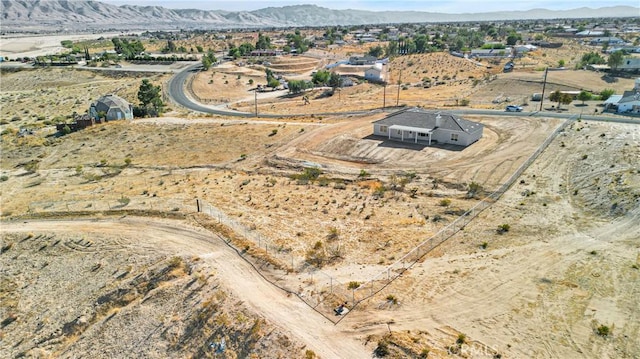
(88, 14)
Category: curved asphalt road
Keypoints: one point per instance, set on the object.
(177, 95)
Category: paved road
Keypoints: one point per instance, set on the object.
(177, 95)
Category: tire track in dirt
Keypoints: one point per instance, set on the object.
(239, 277)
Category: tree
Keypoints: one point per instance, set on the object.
(335, 80)
(555, 97)
(150, 97)
(615, 60)
(566, 99)
(206, 63)
(208, 60)
(263, 43)
(273, 83)
(376, 51)
(606, 93)
(321, 77)
(561, 63)
(513, 38)
(584, 96)
(297, 86)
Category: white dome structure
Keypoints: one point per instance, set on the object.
(111, 107)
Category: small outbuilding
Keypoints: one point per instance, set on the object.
(374, 73)
(421, 126)
(111, 107)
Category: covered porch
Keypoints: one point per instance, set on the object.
(410, 132)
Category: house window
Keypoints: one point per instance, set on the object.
(399, 132)
(454, 137)
(422, 134)
(383, 129)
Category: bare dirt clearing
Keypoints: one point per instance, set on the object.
(567, 265)
(150, 302)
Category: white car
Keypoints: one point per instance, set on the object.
(513, 108)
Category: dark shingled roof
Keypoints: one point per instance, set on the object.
(419, 118)
(107, 102)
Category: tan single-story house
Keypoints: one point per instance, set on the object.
(426, 127)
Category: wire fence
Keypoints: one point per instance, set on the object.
(277, 264)
(393, 271)
(323, 292)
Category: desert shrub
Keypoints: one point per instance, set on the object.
(124, 200)
(323, 181)
(484, 245)
(503, 228)
(382, 350)
(273, 132)
(392, 299)
(4, 178)
(32, 166)
(307, 175)
(473, 189)
(461, 339)
(353, 285)
(175, 262)
(309, 354)
(445, 202)
(333, 234)
(603, 330)
(363, 174)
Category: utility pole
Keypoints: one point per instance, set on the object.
(544, 84)
(256, 101)
(398, 96)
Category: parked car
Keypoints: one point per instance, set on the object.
(513, 108)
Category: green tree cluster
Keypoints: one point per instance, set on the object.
(242, 50)
(263, 43)
(321, 77)
(128, 49)
(298, 42)
(560, 98)
(208, 60)
(297, 86)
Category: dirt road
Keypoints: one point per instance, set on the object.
(288, 313)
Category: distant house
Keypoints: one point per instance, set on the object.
(628, 102)
(606, 40)
(488, 53)
(587, 33)
(268, 52)
(630, 64)
(422, 126)
(111, 107)
(374, 73)
(362, 60)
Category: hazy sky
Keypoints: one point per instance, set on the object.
(447, 6)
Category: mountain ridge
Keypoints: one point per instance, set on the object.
(91, 14)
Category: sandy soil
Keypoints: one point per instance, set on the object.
(230, 271)
(568, 264)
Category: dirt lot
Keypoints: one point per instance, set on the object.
(567, 266)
